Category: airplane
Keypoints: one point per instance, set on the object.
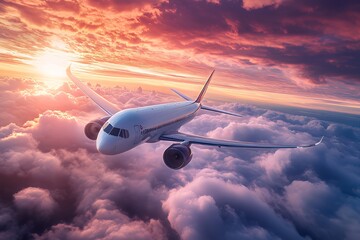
(122, 130)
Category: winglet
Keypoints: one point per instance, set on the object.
(203, 91)
(312, 145)
(68, 70)
(319, 141)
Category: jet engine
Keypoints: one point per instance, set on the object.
(177, 156)
(92, 129)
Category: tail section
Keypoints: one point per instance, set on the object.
(200, 97)
(203, 91)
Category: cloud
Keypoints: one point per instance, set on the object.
(303, 200)
(53, 183)
(63, 5)
(50, 170)
(68, 131)
(255, 44)
(36, 202)
(29, 13)
(122, 5)
(294, 35)
(107, 222)
(211, 208)
(250, 5)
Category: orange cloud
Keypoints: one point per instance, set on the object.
(282, 49)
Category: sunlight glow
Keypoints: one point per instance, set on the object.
(53, 63)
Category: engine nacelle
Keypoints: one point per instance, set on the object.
(177, 156)
(92, 129)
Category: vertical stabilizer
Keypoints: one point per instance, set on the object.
(203, 91)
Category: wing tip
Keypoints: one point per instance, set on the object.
(319, 141)
(312, 145)
(68, 70)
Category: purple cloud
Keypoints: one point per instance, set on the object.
(35, 201)
(285, 34)
(223, 193)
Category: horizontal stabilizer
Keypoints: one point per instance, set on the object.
(181, 94)
(220, 111)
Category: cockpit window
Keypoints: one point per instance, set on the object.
(115, 131)
(122, 133)
(107, 128)
(118, 132)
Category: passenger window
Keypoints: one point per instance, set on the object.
(108, 128)
(115, 132)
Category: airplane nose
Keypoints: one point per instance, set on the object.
(106, 146)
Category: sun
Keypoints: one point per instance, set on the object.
(52, 63)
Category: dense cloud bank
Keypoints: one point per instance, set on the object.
(54, 185)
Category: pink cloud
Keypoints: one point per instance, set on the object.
(68, 132)
(251, 5)
(64, 5)
(300, 194)
(222, 193)
(107, 222)
(35, 201)
(196, 207)
(296, 44)
(121, 5)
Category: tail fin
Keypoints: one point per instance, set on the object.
(203, 91)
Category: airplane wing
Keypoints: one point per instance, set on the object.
(104, 104)
(192, 139)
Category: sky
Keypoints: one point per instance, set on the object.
(264, 51)
(290, 68)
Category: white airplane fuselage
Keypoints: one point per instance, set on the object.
(144, 124)
(122, 130)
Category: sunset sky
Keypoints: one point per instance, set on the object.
(295, 53)
(290, 68)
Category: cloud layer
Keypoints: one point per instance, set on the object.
(53, 183)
